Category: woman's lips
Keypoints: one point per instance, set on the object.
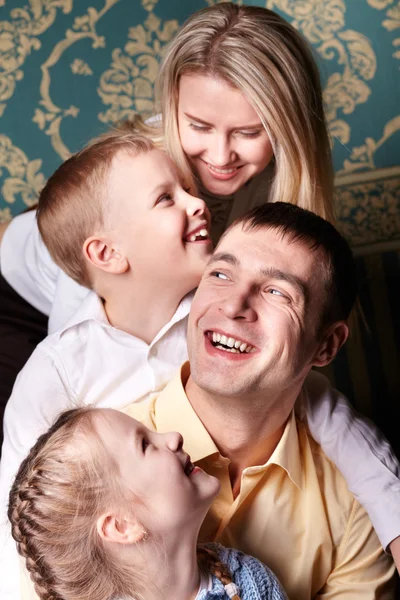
(223, 174)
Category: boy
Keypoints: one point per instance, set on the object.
(116, 218)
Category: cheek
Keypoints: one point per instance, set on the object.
(192, 142)
(261, 153)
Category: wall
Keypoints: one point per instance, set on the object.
(68, 69)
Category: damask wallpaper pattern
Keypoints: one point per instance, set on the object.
(70, 68)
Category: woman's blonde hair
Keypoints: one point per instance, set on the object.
(259, 53)
(67, 481)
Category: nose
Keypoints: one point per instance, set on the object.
(238, 305)
(174, 441)
(195, 207)
(221, 152)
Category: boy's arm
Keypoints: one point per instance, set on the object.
(361, 569)
(360, 452)
(39, 395)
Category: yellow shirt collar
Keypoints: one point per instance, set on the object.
(172, 411)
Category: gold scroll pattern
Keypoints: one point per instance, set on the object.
(392, 20)
(322, 22)
(369, 212)
(50, 116)
(25, 179)
(127, 87)
(20, 36)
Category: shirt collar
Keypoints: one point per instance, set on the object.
(173, 412)
(287, 453)
(92, 309)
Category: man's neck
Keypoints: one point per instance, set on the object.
(245, 430)
(139, 312)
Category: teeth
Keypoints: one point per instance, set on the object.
(230, 344)
(203, 233)
(222, 171)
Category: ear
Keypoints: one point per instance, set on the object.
(103, 253)
(332, 341)
(120, 531)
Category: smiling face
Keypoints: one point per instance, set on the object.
(159, 227)
(157, 471)
(221, 134)
(254, 320)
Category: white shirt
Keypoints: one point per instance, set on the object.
(28, 267)
(86, 362)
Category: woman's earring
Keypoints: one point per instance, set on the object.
(145, 536)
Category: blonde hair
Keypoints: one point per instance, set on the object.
(259, 53)
(73, 204)
(67, 481)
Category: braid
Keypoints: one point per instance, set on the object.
(26, 530)
(64, 483)
(210, 563)
(24, 513)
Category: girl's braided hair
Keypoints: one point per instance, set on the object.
(59, 490)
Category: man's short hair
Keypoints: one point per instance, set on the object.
(73, 204)
(300, 225)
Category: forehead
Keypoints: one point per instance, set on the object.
(144, 172)
(207, 97)
(112, 426)
(259, 250)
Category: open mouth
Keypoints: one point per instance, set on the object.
(229, 344)
(196, 236)
(188, 467)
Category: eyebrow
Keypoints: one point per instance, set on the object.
(193, 118)
(267, 272)
(162, 187)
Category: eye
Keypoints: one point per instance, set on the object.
(249, 134)
(164, 198)
(145, 443)
(197, 127)
(275, 292)
(218, 275)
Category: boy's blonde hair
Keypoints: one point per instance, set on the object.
(259, 53)
(73, 204)
(64, 485)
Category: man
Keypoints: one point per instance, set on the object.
(272, 304)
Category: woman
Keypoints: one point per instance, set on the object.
(242, 115)
(125, 505)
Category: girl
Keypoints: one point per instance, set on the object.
(103, 508)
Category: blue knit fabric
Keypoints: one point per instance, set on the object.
(254, 580)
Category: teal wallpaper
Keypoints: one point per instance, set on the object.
(70, 68)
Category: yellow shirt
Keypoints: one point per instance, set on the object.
(295, 512)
